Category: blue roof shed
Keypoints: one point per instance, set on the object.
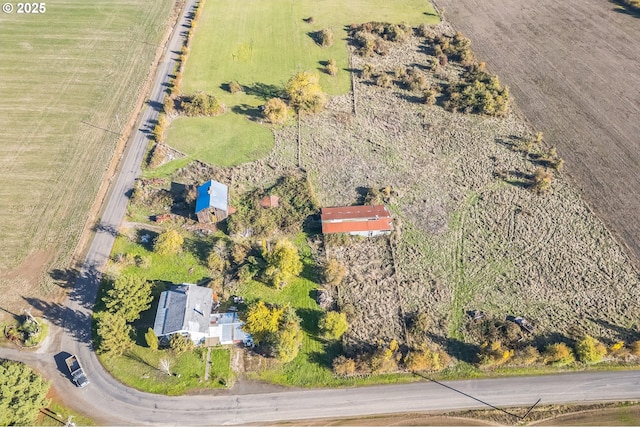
(212, 194)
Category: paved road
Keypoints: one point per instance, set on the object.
(109, 402)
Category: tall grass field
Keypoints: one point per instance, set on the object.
(261, 44)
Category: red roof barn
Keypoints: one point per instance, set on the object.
(358, 220)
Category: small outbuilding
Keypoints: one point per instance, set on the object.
(368, 221)
(212, 204)
(269, 202)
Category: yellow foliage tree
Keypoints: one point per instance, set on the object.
(558, 354)
(168, 243)
(283, 263)
(426, 359)
(590, 350)
(262, 320)
(304, 92)
(494, 354)
(333, 325)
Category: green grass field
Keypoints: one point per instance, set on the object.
(261, 45)
(69, 80)
(139, 369)
(224, 141)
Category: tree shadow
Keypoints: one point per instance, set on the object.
(461, 350)
(199, 247)
(178, 194)
(135, 357)
(625, 9)
(414, 99)
(146, 238)
(105, 228)
(312, 225)
(253, 113)
(309, 320)
(316, 36)
(325, 358)
(157, 106)
(65, 277)
(264, 91)
(624, 334)
(543, 340)
(75, 323)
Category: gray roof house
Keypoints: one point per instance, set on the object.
(212, 201)
(186, 309)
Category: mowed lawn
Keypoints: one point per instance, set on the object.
(261, 44)
(69, 79)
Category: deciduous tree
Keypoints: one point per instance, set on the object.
(288, 342)
(590, 350)
(333, 325)
(168, 243)
(283, 263)
(262, 320)
(558, 354)
(304, 92)
(129, 296)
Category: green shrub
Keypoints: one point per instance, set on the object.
(541, 180)
(368, 71)
(157, 155)
(215, 262)
(333, 325)
(430, 97)
(426, 359)
(590, 350)
(168, 243)
(201, 104)
(527, 356)
(151, 339)
(333, 273)
(180, 343)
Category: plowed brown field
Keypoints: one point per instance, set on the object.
(574, 70)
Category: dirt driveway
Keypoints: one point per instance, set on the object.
(573, 68)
